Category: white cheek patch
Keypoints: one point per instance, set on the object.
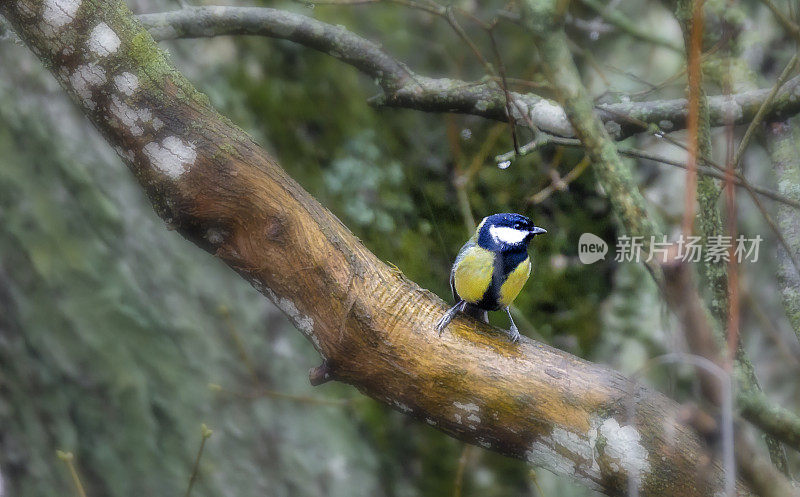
(507, 235)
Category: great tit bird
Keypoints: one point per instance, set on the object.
(491, 268)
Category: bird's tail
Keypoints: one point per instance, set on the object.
(476, 312)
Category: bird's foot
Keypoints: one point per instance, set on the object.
(448, 316)
(513, 334)
(442, 323)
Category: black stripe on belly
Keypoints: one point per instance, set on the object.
(504, 263)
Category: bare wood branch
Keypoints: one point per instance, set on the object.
(373, 327)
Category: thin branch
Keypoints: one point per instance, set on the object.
(759, 117)
(693, 124)
(403, 88)
(205, 434)
(783, 19)
(68, 458)
(546, 140)
(204, 22)
(502, 69)
(458, 483)
(562, 183)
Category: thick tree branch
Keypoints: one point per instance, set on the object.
(405, 89)
(782, 141)
(373, 327)
(336, 41)
(779, 422)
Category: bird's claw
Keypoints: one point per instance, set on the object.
(513, 334)
(442, 324)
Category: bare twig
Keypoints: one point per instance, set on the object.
(762, 110)
(502, 69)
(790, 26)
(67, 458)
(545, 140)
(458, 482)
(693, 125)
(403, 88)
(562, 184)
(205, 434)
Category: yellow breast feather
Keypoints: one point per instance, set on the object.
(515, 281)
(473, 273)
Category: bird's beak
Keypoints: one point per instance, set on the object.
(537, 231)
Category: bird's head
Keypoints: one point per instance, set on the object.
(506, 231)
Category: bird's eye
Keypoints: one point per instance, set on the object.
(517, 226)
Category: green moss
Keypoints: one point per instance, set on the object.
(153, 64)
(229, 149)
(600, 445)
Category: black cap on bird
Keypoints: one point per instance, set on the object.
(491, 268)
